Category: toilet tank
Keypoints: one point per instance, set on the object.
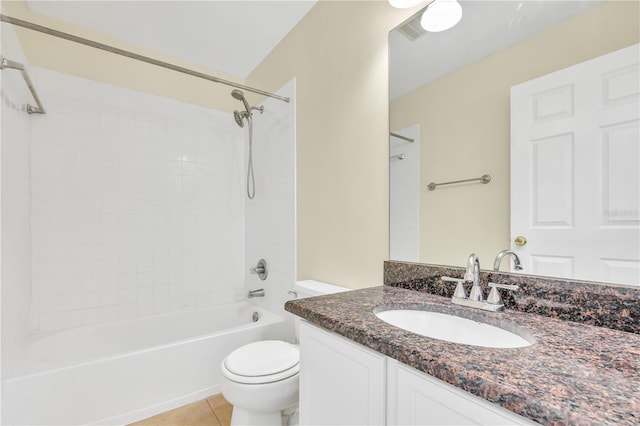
(309, 288)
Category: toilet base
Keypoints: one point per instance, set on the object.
(242, 417)
(261, 404)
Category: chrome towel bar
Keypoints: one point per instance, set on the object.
(6, 63)
(396, 135)
(483, 179)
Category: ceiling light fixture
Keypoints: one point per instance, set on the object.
(404, 4)
(441, 15)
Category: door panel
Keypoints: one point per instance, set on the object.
(575, 161)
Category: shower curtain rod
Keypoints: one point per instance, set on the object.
(131, 55)
(9, 64)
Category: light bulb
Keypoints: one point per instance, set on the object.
(404, 4)
(441, 15)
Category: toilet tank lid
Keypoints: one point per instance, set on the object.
(316, 288)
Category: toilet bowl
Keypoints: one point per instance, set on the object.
(261, 379)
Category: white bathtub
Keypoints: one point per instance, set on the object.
(122, 372)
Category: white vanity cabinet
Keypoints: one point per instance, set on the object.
(343, 382)
(420, 399)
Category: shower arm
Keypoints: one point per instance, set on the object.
(131, 55)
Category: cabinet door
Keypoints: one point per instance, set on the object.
(341, 382)
(424, 400)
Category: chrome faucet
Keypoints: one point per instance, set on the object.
(473, 275)
(516, 260)
(476, 299)
(256, 293)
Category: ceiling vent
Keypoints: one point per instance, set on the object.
(412, 29)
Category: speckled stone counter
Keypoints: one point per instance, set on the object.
(574, 374)
(605, 305)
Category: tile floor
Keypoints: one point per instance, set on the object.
(212, 411)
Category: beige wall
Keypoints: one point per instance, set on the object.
(75, 59)
(339, 56)
(465, 130)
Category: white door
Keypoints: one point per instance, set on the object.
(575, 180)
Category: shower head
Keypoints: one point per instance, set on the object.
(239, 117)
(239, 95)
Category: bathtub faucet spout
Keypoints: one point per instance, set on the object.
(256, 293)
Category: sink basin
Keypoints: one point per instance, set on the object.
(452, 328)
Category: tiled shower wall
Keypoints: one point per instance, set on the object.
(270, 216)
(404, 195)
(137, 204)
(15, 250)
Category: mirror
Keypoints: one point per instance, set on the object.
(451, 105)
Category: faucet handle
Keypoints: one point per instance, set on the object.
(505, 286)
(459, 291)
(494, 296)
(260, 269)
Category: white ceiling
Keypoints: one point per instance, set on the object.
(486, 27)
(229, 36)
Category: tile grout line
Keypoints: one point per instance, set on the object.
(214, 411)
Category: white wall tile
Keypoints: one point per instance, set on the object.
(15, 203)
(138, 205)
(270, 216)
(127, 211)
(404, 184)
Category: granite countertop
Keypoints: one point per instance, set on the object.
(573, 374)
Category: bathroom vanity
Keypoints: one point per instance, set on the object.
(357, 369)
(362, 386)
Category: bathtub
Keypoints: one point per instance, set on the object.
(126, 371)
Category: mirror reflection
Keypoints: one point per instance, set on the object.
(539, 97)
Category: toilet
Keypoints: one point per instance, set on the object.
(261, 379)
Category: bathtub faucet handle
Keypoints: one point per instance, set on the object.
(256, 293)
(260, 269)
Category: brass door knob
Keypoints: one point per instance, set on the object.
(520, 240)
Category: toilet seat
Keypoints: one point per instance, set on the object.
(262, 362)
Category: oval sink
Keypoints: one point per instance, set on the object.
(452, 328)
